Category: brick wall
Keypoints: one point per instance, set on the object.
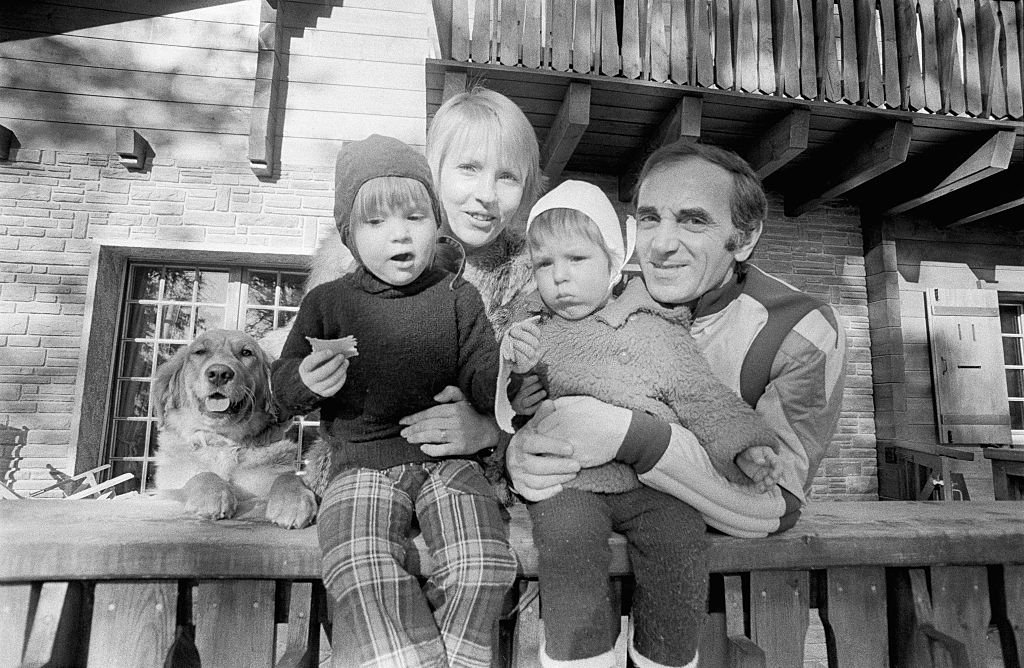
(55, 206)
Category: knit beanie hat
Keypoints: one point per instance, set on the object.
(591, 201)
(371, 158)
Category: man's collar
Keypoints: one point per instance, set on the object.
(713, 301)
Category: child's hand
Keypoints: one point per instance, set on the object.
(529, 396)
(521, 345)
(324, 372)
(761, 465)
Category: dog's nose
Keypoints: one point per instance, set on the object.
(218, 374)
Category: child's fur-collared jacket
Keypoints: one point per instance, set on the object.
(637, 354)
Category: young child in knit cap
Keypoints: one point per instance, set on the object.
(632, 352)
(417, 329)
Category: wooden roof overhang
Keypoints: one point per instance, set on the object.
(954, 170)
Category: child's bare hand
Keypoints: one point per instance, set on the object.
(521, 345)
(761, 465)
(324, 372)
(531, 393)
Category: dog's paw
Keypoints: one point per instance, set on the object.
(208, 495)
(291, 504)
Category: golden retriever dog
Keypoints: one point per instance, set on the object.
(220, 442)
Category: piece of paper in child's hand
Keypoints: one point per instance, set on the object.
(346, 345)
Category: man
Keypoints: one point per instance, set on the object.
(700, 212)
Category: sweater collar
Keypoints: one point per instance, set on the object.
(636, 299)
(370, 284)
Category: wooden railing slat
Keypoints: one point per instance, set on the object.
(960, 607)
(1013, 597)
(509, 35)
(582, 42)
(830, 82)
(785, 31)
(868, 57)
(679, 39)
(779, 617)
(561, 36)
(460, 29)
(855, 616)
(1013, 31)
(971, 57)
(133, 623)
(481, 45)
(657, 51)
(631, 61)
(724, 66)
(930, 57)
(805, 36)
(234, 622)
(533, 53)
(303, 644)
(911, 79)
(951, 84)
(15, 604)
(448, 25)
(55, 628)
(608, 38)
(993, 88)
(890, 55)
(742, 652)
(746, 56)
(703, 70)
(848, 51)
(765, 49)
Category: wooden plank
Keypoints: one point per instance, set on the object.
(930, 57)
(951, 84)
(960, 607)
(830, 85)
(561, 35)
(993, 89)
(657, 44)
(509, 34)
(236, 624)
(607, 38)
(780, 144)
(15, 607)
(868, 57)
(765, 49)
(855, 617)
(54, 633)
(682, 124)
(1013, 600)
(746, 57)
(971, 58)
(702, 70)
(679, 40)
(990, 158)
(779, 602)
(570, 124)
(849, 56)
(785, 32)
(631, 61)
(303, 644)
(133, 623)
(805, 36)
(887, 150)
(533, 51)
(890, 54)
(480, 49)
(725, 69)
(742, 651)
(911, 78)
(582, 40)
(454, 83)
(460, 32)
(989, 211)
(1013, 32)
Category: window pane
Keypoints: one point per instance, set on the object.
(129, 438)
(285, 317)
(261, 288)
(135, 468)
(258, 322)
(213, 287)
(178, 284)
(132, 398)
(137, 359)
(209, 317)
(1012, 351)
(177, 322)
(1015, 382)
(141, 321)
(1017, 415)
(145, 283)
(1009, 319)
(292, 289)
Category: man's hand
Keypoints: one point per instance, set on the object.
(595, 429)
(537, 463)
(450, 429)
(761, 465)
(324, 372)
(521, 345)
(531, 393)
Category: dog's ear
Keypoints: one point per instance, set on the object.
(264, 396)
(165, 393)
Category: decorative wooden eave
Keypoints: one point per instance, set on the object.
(819, 107)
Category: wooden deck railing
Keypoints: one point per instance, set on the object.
(961, 57)
(127, 582)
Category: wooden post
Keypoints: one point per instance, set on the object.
(236, 626)
(263, 124)
(133, 623)
(569, 125)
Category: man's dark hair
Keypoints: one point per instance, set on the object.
(747, 205)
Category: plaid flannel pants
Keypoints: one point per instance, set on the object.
(364, 529)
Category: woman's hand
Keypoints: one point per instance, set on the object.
(531, 393)
(451, 428)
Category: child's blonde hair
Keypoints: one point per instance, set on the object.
(482, 117)
(384, 194)
(560, 224)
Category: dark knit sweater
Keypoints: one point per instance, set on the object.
(413, 341)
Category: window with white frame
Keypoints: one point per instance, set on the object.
(165, 307)
(1011, 319)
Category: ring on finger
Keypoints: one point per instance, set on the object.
(444, 435)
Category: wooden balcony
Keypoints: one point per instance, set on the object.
(126, 582)
(825, 99)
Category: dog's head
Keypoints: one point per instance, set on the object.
(223, 377)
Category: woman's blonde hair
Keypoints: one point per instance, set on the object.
(484, 117)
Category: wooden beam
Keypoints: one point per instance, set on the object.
(6, 141)
(783, 142)
(569, 125)
(991, 211)
(990, 158)
(846, 170)
(683, 124)
(262, 146)
(131, 148)
(454, 83)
